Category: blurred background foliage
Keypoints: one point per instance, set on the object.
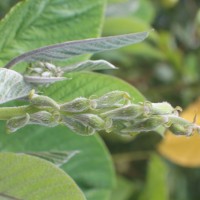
(163, 68)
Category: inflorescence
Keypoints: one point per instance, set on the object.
(112, 112)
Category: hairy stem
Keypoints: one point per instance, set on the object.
(9, 112)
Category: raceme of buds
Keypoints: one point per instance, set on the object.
(111, 112)
(43, 73)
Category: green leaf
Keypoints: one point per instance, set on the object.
(74, 48)
(12, 86)
(27, 177)
(86, 84)
(35, 23)
(93, 177)
(156, 186)
(119, 25)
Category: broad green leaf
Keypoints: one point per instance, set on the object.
(94, 178)
(86, 84)
(90, 65)
(34, 23)
(27, 177)
(12, 86)
(58, 158)
(156, 185)
(74, 48)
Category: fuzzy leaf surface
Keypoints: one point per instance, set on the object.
(74, 48)
(12, 85)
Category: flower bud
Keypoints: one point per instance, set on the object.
(181, 126)
(91, 120)
(179, 129)
(77, 105)
(145, 125)
(43, 101)
(117, 126)
(16, 123)
(39, 64)
(77, 126)
(56, 71)
(160, 108)
(128, 112)
(112, 99)
(47, 74)
(50, 67)
(36, 70)
(44, 118)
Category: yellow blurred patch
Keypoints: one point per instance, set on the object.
(182, 150)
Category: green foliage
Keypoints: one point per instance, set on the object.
(69, 49)
(91, 168)
(27, 177)
(164, 66)
(86, 84)
(155, 187)
(123, 190)
(27, 27)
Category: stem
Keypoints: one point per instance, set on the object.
(9, 112)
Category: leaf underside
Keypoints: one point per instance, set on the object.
(74, 48)
(12, 86)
